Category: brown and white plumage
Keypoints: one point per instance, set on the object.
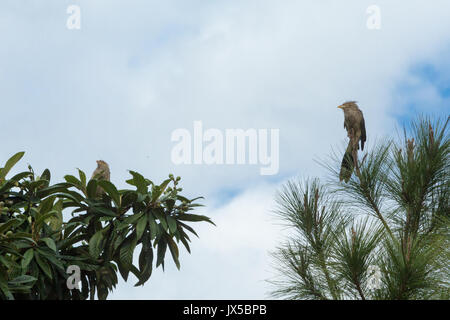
(356, 132)
(101, 173)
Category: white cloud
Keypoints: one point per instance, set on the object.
(229, 261)
(136, 71)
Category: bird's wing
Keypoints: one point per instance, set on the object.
(363, 132)
(97, 174)
(94, 173)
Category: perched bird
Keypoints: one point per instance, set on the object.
(101, 173)
(356, 132)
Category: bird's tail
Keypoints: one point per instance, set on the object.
(347, 164)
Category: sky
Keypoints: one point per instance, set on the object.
(137, 70)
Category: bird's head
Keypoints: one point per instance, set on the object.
(348, 105)
(101, 163)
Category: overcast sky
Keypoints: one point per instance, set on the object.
(135, 71)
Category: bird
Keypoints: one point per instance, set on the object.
(101, 173)
(356, 132)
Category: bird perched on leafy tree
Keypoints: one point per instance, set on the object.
(356, 132)
(101, 173)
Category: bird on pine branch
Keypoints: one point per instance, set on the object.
(356, 132)
(101, 173)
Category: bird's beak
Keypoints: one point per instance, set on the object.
(340, 107)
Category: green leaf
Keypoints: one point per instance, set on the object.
(192, 200)
(9, 225)
(7, 262)
(128, 198)
(95, 243)
(159, 214)
(184, 239)
(10, 183)
(60, 187)
(145, 260)
(73, 180)
(139, 182)
(27, 257)
(56, 221)
(10, 163)
(111, 190)
(140, 226)
(129, 220)
(82, 178)
(124, 270)
(164, 185)
(104, 211)
(126, 255)
(173, 250)
(162, 247)
(65, 243)
(50, 243)
(22, 236)
(46, 175)
(172, 224)
(46, 205)
(5, 290)
(43, 218)
(153, 226)
(189, 228)
(194, 217)
(91, 189)
(76, 197)
(22, 280)
(127, 249)
(119, 239)
(43, 265)
(51, 257)
(37, 185)
(156, 192)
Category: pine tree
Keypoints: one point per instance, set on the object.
(382, 235)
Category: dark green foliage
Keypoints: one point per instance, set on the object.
(37, 246)
(392, 215)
